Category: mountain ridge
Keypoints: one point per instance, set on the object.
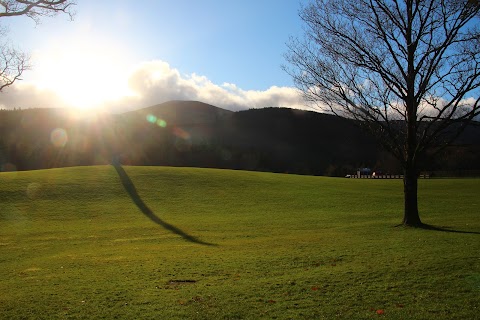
(196, 134)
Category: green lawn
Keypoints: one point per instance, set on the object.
(74, 244)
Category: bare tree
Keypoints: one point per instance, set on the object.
(14, 62)
(406, 70)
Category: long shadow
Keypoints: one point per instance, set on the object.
(132, 192)
(446, 229)
(441, 229)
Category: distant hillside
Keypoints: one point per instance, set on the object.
(190, 133)
(272, 139)
(186, 113)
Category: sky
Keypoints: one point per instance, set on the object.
(120, 55)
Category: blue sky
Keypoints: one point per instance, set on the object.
(125, 54)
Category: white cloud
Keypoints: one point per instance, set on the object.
(156, 82)
(437, 107)
(26, 95)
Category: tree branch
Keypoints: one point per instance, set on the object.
(35, 9)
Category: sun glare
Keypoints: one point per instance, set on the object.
(82, 75)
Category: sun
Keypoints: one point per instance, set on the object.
(83, 75)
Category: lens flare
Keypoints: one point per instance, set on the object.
(183, 140)
(8, 167)
(59, 137)
(226, 155)
(151, 118)
(154, 120)
(179, 132)
(183, 145)
(33, 190)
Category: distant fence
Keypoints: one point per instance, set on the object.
(430, 175)
(386, 176)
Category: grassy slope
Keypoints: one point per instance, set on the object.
(74, 245)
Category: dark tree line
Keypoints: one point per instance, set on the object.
(274, 140)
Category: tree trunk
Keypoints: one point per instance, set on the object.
(410, 187)
(410, 182)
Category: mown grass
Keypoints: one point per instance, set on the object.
(74, 245)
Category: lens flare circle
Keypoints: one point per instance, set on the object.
(8, 167)
(154, 120)
(59, 137)
(33, 190)
(151, 118)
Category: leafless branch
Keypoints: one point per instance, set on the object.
(35, 9)
(12, 61)
(12, 64)
(371, 61)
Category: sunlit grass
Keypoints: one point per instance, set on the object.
(73, 244)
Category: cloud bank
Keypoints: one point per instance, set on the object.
(26, 95)
(156, 82)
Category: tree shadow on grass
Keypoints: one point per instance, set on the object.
(132, 192)
(425, 226)
(446, 229)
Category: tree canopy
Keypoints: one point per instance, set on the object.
(14, 62)
(407, 70)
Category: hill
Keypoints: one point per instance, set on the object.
(183, 243)
(190, 133)
(182, 113)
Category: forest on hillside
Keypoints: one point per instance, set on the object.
(194, 134)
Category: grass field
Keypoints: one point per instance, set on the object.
(181, 243)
